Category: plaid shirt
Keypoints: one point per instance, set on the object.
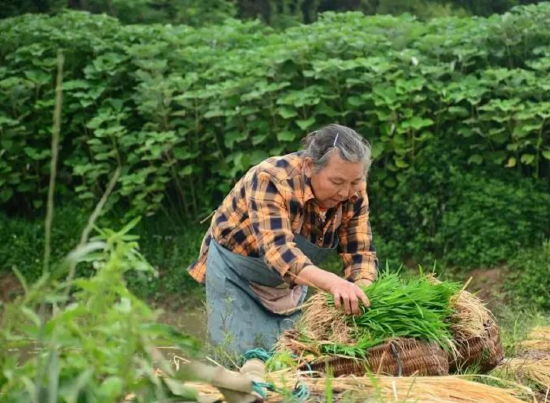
(265, 209)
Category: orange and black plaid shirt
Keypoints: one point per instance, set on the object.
(265, 209)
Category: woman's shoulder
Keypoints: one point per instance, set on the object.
(282, 168)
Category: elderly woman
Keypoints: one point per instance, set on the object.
(268, 238)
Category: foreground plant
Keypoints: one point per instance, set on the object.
(89, 339)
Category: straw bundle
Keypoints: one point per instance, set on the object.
(540, 333)
(529, 371)
(475, 333)
(444, 389)
(323, 322)
(470, 316)
(320, 323)
(539, 345)
(538, 339)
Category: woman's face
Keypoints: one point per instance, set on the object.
(336, 182)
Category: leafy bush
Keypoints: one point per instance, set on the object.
(186, 111)
(22, 240)
(466, 219)
(529, 277)
(489, 220)
(170, 246)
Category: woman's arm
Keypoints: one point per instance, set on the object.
(356, 248)
(273, 232)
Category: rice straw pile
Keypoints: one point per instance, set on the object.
(446, 389)
(323, 322)
(529, 371)
(538, 339)
(470, 316)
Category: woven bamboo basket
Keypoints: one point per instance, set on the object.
(398, 357)
(486, 351)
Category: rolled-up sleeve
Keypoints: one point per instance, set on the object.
(272, 229)
(356, 248)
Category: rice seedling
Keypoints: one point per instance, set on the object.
(414, 308)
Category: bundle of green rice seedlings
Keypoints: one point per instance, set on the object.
(415, 308)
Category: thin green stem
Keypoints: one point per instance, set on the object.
(53, 164)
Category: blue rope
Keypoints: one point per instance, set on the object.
(258, 353)
(301, 392)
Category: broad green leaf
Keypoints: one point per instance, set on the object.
(377, 149)
(287, 112)
(38, 76)
(355, 101)
(399, 163)
(511, 162)
(188, 170)
(475, 159)
(305, 124)
(546, 154)
(527, 159)
(259, 139)
(6, 194)
(286, 136)
(417, 123)
(258, 156)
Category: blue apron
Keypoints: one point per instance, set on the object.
(237, 319)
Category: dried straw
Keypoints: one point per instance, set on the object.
(321, 323)
(471, 315)
(536, 371)
(539, 345)
(538, 339)
(325, 323)
(443, 389)
(540, 333)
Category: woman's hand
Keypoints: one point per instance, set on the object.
(347, 296)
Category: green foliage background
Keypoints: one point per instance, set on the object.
(456, 110)
(277, 13)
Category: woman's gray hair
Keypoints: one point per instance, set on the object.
(320, 144)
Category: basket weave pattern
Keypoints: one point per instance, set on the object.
(398, 357)
(486, 352)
